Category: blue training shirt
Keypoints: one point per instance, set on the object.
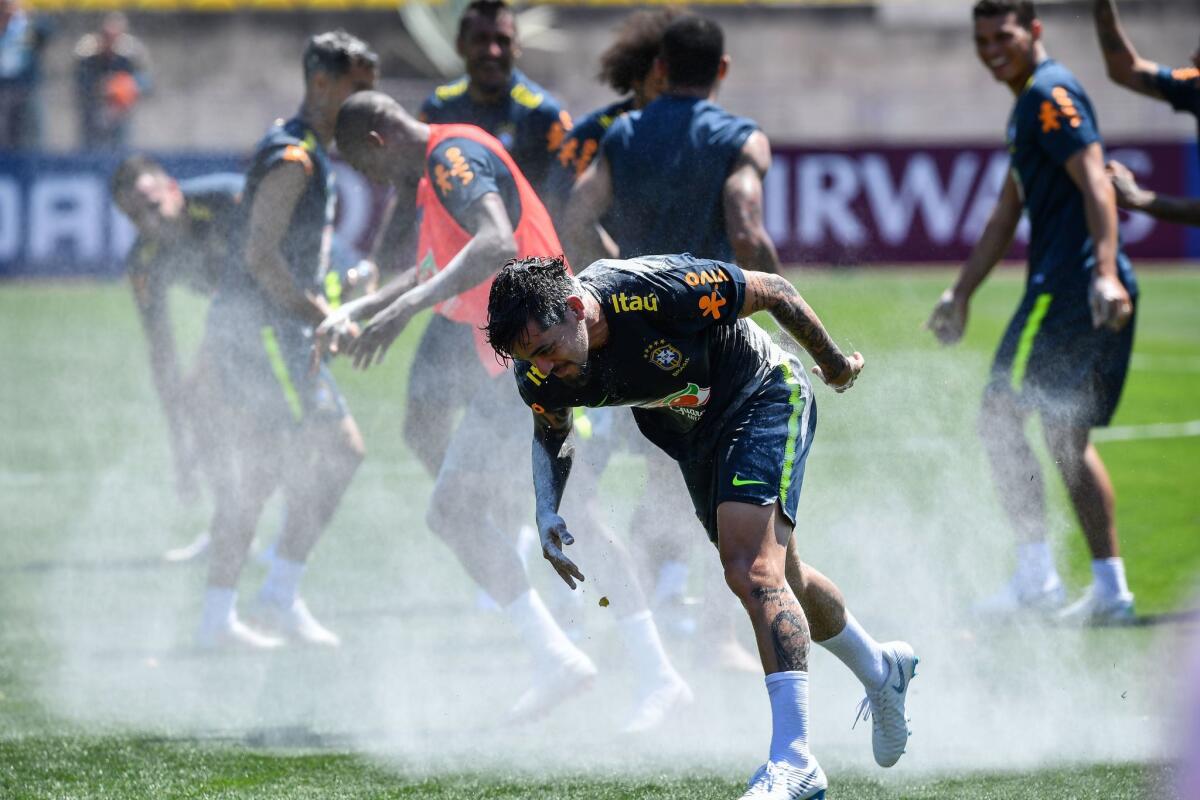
(669, 162)
(1181, 88)
(528, 121)
(307, 242)
(1053, 120)
(580, 148)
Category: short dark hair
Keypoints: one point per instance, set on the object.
(488, 9)
(639, 41)
(336, 53)
(692, 48)
(526, 289)
(1024, 10)
(126, 175)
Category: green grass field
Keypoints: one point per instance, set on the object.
(102, 696)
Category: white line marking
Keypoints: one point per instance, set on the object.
(1129, 433)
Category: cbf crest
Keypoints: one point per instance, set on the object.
(665, 356)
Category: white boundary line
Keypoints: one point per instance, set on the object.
(1130, 433)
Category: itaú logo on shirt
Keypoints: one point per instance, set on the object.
(688, 401)
(623, 302)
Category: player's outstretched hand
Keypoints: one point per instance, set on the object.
(845, 375)
(1129, 194)
(1109, 302)
(553, 530)
(378, 335)
(332, 335)
(949, 318)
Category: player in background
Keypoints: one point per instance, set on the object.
(680, 175)
(475, 207)
(1066, 351)
(626, 65)
(1179, 87)
(498, 97)
(184, 235)
(293, 419)
(667, 335)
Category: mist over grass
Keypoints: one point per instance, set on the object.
(897, 507)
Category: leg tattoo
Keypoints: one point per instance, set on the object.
(789, 628)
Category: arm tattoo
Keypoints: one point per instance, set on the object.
(798, 319)
(789, 628)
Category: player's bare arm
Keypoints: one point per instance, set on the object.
(150, 296)
(591, 197)
(743, 201)
(492, 243)
(777, 296)
(1123, 63)
(553, 455)
(1131, 196)
(270, 217)
(949, 318)
(1109, 300)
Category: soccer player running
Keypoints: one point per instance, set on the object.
(292, 419)
(475, 206)
(1179, 87)
(1066, 351)
(184, 238)
(668, 336)
(685, 175)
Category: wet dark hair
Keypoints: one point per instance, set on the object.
(488, 9)
(526, 289)
(1024, 10)
(638, 43)
(126, 175)
(336, 53)
(692, 48)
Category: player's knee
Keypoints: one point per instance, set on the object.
(998, 413)
(747, 573)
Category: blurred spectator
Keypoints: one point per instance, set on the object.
(21, 40)
(111, 73)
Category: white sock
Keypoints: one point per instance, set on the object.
(789, 718)
(283, 582)
(539, 630)
(1108, 575)
(855, 648)
(640, 635)
(1035, 565)
(672, 581)
(219, 610)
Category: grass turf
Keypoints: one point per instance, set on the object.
(84, 454)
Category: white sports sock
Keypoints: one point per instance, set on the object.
(1035, 565)
(219, 610)
(789, 717)
(855, 648)
(1108, 575)
(283, 582)
(672, 581)
(645, 648)
(539, 630)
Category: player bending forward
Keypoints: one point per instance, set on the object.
(666, 335)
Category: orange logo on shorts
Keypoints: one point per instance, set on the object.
(711, 304)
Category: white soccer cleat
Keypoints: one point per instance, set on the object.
(885, 705)
(295, 623)
(573, 676)
(655, 706)
(777, 780)
(234, 635)
(1017, 597)
(1093, 609)
(190, 551)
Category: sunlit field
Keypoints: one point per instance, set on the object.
(103, 695)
